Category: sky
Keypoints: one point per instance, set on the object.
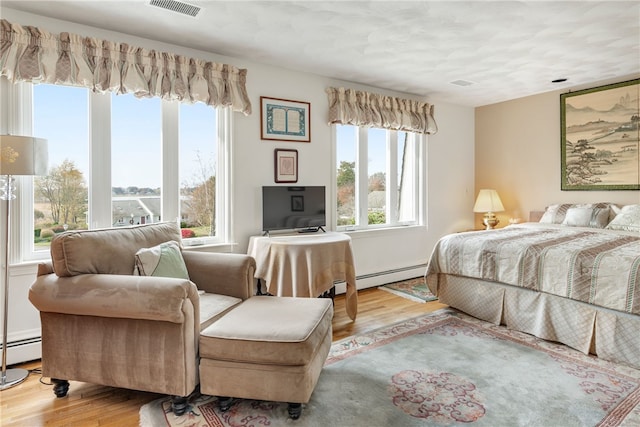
(377, 149)
(61, 116)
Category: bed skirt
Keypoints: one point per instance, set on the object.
(609, 334)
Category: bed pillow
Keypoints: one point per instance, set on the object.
(163, 260)
(555, 214)
(615, 209)
(627, 220)
(586, 217)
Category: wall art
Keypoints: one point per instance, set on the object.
(600, 138)
(284, 120)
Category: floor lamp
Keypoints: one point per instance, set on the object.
(19, 155)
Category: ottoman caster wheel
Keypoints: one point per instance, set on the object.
(224, 403)
(295, 410)
(179, 405)
(60, 387)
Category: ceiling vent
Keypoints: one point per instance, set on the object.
(177, 6)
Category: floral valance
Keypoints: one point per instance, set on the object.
(359, 108)
(33, 55)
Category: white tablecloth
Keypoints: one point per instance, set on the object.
(306, 265)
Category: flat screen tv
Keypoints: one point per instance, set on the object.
(293, 208)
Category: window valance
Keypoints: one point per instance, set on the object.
(359, 108)
(30, 54)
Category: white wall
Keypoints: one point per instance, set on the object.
(450, 154)
(449, 180)
(518, 154)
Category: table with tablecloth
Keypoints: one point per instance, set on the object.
(306, 265)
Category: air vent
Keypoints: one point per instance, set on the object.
(461, 83)
(177, 6)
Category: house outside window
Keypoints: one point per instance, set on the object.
(116, 160)
(378, 178)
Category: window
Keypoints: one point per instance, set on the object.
(60, 198)
(377, 177)
(116, 160)
(198, 159)
(136, 160)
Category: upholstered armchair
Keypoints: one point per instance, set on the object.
(102, 324)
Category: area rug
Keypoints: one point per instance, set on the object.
(438, 370)
(413, 289)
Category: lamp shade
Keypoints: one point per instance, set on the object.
(488, 201)
(23, 155)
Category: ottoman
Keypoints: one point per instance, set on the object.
(267, 348)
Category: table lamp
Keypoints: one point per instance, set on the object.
(488, 202)
(19, 155)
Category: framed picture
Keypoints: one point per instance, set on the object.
(600, 138)
(286, 165)
(284, 120)
(297, 203)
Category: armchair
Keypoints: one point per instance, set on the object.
(101, 324)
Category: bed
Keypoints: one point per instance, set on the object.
(572, 277)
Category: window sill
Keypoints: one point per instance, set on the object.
(383, 231)
(210, 247)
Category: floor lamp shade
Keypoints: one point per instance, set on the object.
(19, 155)
(23, 155)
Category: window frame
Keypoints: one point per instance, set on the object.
(17, 100)
(362, 180)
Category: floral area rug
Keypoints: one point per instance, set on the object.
(413, 289)
(441, 369)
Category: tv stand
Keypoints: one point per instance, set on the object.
(311, 230)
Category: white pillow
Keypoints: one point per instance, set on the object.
(627, 220)
(555, 214)
(164, 260)
(586, 217)
(615, 208)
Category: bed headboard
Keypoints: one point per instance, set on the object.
(534, 216)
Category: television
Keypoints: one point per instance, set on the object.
(293, 208)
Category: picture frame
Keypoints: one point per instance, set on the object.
(284, 120)
(600, 138)
(297, 203)
(285, 165)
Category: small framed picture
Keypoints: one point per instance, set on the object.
(284, 120)
(286, 165)
(297, 203)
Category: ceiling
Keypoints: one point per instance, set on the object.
(506, 49)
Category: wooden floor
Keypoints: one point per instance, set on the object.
(33, 403)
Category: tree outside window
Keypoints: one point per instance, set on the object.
(389, 196)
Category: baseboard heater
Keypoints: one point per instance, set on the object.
(387, 272)
(379, 278)
(24, 350)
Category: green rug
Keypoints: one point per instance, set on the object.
(413, 289)
(441, 369)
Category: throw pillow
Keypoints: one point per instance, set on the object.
(555, 214)
(163, 260)
(586, 217)
(627, 220)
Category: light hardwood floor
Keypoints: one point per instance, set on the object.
(33, 403)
